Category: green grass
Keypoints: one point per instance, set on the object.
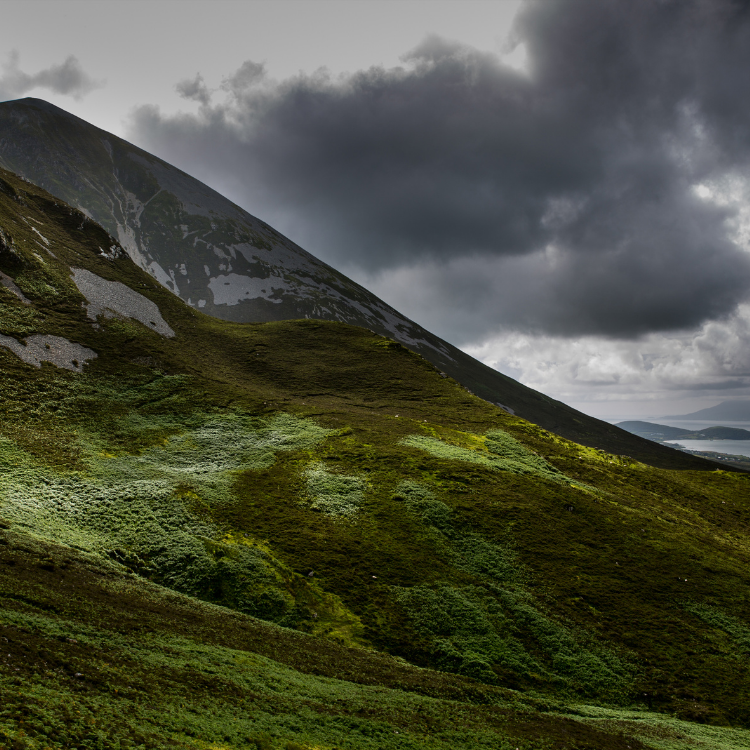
(441, 569)
(16, 320)
(336, 495)
(738, 631)
(499, 451)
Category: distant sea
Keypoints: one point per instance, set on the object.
(736, 447)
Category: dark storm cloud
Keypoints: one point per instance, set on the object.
(67, 78)
(560, 201)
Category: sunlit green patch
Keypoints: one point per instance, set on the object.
(497, 451)
(207, 456)
(505, 446)
(140, 509)
(336, 495)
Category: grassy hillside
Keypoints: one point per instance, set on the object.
(299, 534)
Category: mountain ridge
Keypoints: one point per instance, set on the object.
(731, 411)
(181, 231)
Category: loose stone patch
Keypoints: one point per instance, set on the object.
(55, 349)
(112, 297)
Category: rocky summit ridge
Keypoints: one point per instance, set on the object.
(227, 263)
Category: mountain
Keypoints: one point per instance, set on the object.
(297, 534)
(224, 262)
(653, 431)
(663, 432)
(726, 411)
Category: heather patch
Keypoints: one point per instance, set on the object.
(737, 630)
(488, 633)
(148, 510)
(489, 630)
(336, 495)
(18, 320)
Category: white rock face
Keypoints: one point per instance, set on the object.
(115, 298)
(163, 277)
(55, 349)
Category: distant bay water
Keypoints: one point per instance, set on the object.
(735, 447)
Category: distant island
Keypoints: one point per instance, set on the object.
(726, 411)
(662, 432)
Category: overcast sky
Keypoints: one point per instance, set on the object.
(558, 187)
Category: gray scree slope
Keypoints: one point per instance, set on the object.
(231, 265)
(55, 349)
(108, 297)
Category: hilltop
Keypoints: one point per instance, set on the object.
(299, 534)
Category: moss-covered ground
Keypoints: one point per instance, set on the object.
(299, 535)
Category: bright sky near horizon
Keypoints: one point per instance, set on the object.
(140, 49)
(572, 210)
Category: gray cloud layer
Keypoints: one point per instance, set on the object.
(67, 78)
(567, 201)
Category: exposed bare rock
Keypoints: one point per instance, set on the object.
(55, 349)
(113, 298)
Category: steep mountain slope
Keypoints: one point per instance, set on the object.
(175, 487)
(228, 264)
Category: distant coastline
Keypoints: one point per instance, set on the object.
(661, 432)
(667, 435)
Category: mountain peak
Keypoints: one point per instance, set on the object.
(216, 534)
(225, 262)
